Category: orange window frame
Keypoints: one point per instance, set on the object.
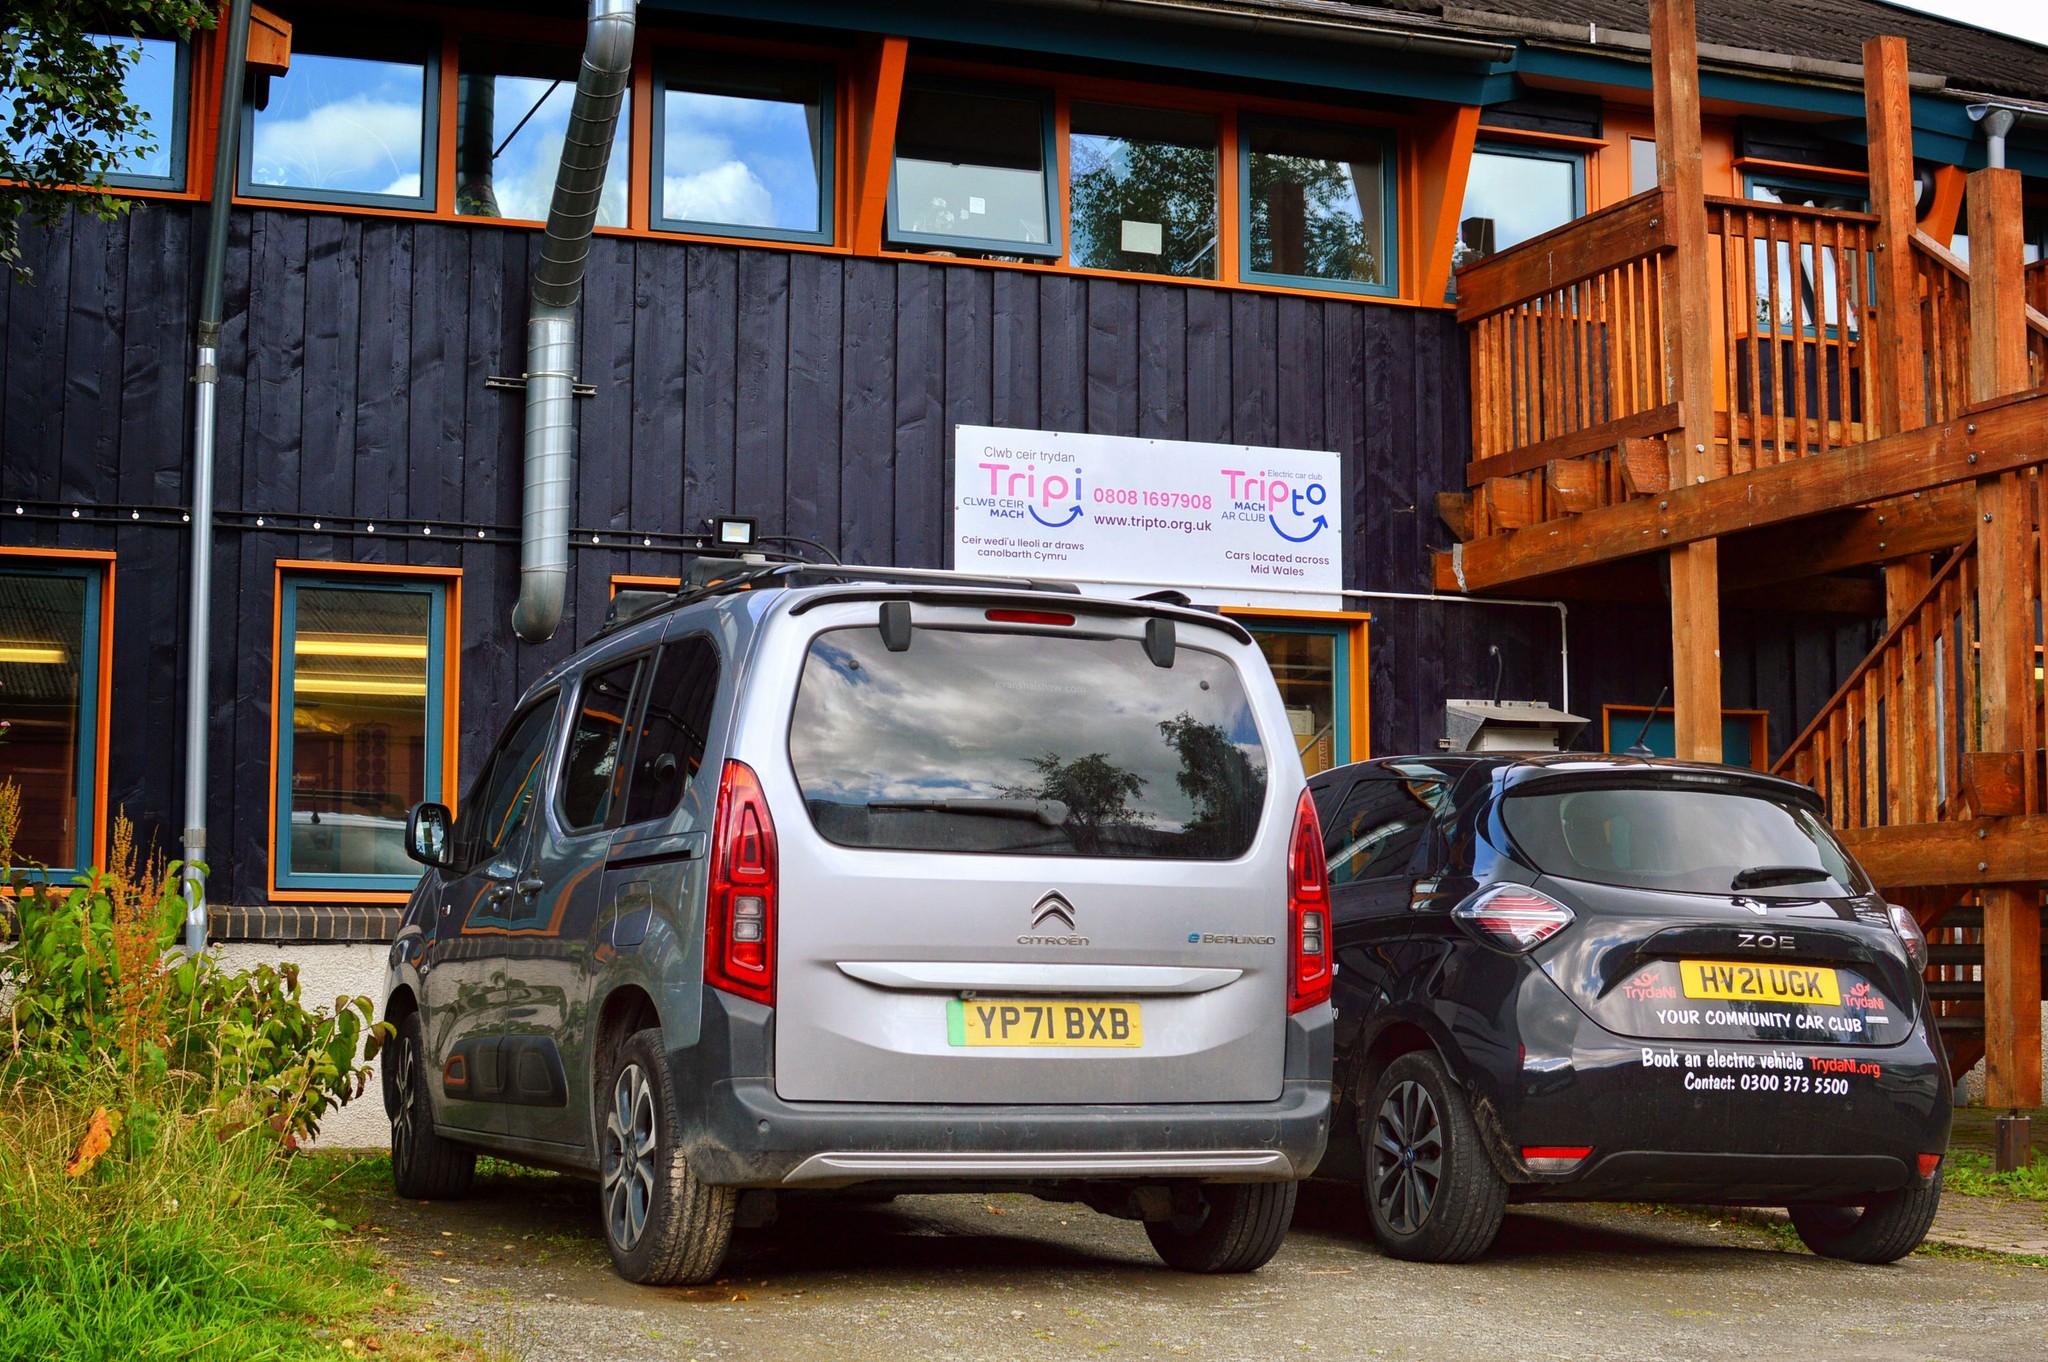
(1357, 628)
(451, 711)
(104, 682)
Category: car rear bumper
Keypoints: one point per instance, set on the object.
(741, 1134)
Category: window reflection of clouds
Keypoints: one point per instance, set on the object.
(523, 174)
(745, 162)
(343, 123)
(960, 715)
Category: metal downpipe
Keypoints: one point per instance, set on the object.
(206, 393)
(551, 326)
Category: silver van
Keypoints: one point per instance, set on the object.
(867, 879)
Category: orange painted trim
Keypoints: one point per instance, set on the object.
(1358, 652)
(640, 139)
(447, 88)
(1229, 187)
(1564, 141)
(1443, 170)
(1799, 168)
(451, 705)
(1942, 216)
(103, 683)
(629, 581)
(1081, 272)
(883, 91)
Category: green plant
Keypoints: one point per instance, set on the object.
(102, 999)
(1969, 1174)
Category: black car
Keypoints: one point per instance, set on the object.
(1594, 978)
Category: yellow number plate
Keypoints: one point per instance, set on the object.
(1044, 1022)
(1749, 982)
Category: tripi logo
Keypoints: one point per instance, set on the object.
(1022, 484)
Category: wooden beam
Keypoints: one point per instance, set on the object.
(1574, 485)
(1897, 376)
(1696, 651)
(1591, 440)
(1455, 510)
(2004, 437)
(1565, 255)
(1444, 154)
(2005, 623)
(880, 96)
(1970, 852)
(270, 42)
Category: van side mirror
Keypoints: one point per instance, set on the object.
(427, 836)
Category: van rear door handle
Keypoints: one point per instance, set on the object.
(498, 893)
(532, 885)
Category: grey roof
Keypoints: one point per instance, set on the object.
(1969, 58)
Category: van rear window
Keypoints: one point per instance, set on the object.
(1031, 744)
(1727, 840)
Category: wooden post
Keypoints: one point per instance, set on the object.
(1688, 345)
(2012, 913)
(1895, 373)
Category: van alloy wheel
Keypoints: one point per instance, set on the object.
(405, 1111)
(629, 1144)
(1407, 1157)
(424, 1163)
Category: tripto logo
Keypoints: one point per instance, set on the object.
(1273, 493)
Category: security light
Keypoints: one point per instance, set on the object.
(733, 531)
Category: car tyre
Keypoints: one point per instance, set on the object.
(663, 1226)
(1884, 1230)
(1431, 1193)
(424, 1165)
(1238, 1227)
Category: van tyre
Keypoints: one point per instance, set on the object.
(1238, 1227)
(1883, 1231)
(1431, 1193)
(663, 1226)
(424, 1165)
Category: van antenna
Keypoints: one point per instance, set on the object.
(1639, 748)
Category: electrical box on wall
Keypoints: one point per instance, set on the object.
(1507, 726)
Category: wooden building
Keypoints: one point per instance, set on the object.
(1556, 370)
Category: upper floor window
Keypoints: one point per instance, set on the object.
(1642, 164)
(50, 664)
(349, 122)
(511, 116)
(1320, 205)
(1515, 193)
(744, 150)
(971, 171)
(153, 79)
(360, 733)
(1143, 190)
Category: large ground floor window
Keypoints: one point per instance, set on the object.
(365, 706)
(52, 665)
(1318, 662)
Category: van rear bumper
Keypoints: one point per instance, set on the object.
(740, 1134)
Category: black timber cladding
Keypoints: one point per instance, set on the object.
(813, 390)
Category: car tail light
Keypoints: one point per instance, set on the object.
(1930, 1164)
(1549, 1158)
(1308, 910)
(1513, 917)
(739, 917)
(1915, 940)
(1028, 617)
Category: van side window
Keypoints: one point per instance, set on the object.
(590, 770)
(1374, 832)
(493, 817)
(671, 740)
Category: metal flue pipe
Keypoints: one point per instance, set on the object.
(206, 393)
(551, 326)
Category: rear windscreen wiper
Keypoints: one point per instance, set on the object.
(1051, 812)
(1763, 876)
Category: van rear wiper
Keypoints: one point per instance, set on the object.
(1051, 812)
(1763, 876)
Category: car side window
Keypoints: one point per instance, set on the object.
(492, 819)
(670, 745)
(1375, 831)
(590, 768)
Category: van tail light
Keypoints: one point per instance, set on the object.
(739, 917)
(1308, 911)
(1910, 936)
(1545, 1158)
(1513, 917)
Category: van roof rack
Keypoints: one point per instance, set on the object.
(707, 575)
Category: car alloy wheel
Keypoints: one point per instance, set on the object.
(1407, 1157)
(405, 1114)
(629, 1146)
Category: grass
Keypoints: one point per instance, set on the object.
(1968, 1173)
(197, 1247)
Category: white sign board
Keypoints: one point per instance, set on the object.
(1234, 520)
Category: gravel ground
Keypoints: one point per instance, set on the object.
(522, 1267)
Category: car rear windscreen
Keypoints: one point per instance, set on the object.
(1726, 840)
(1035, 744)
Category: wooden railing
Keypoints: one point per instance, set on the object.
(1567, 341)
(1888, 747)
(1944, 289)
(1795, 311)
(2037, 326)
